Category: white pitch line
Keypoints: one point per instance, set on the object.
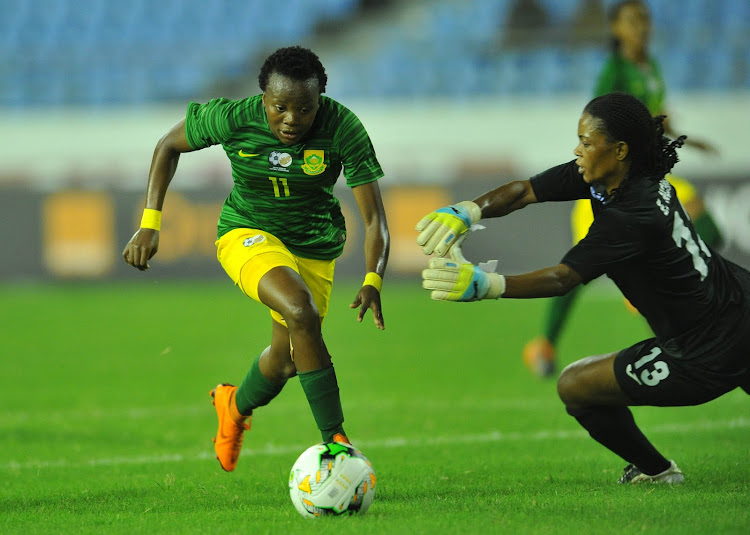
(10, 418)
(494, 436)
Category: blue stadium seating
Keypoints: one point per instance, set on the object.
(99, 52)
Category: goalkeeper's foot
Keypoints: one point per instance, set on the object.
(672, 475)
(232, 426)
(539, 357)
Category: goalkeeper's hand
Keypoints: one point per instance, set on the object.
(453, 280)
(439, 230)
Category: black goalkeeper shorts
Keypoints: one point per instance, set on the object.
(649, 376)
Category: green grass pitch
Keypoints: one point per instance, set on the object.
(106, 421)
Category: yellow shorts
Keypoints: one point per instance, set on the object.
(247, 254)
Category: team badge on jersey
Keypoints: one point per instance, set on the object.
(314, 162)
(280, 160)
(252, 240)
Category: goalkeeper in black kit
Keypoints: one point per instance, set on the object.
(696, 302)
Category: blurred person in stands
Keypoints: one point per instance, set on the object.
(630, 68)
(696, 302)
(280, 229)
(527, 19)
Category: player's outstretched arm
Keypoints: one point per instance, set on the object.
(454, 280)
(441, 229)
(377, 247)
(506, 199)
(145, 242)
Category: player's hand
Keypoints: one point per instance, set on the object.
(441, 228)
(452, 280)
(141, 247)
(369, 297)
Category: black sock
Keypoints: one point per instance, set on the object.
(615, 429)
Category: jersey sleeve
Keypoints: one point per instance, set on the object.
(210, 123)
(657, 100)
(560, 183)
(357, 152)
(614, 237)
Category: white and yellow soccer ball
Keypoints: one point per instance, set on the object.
(332, 478)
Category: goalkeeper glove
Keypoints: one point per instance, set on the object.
(441, 228)
(450, 280)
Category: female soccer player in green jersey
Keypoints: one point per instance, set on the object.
(281, 228)
(631, 69)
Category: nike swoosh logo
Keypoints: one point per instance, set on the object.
(246, 155)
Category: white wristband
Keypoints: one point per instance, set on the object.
(497, 286)
(474, 211)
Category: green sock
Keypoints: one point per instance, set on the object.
(557, 313)
(255, 390)
(322, 391)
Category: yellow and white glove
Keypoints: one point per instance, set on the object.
(439, 230)
(457, 279)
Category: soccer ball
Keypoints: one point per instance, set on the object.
(331, 479)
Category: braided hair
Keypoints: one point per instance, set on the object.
(623, 117)
(295, 62)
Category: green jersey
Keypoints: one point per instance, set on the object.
(286, 190)
(643, 82)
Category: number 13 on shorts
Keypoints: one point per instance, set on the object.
(646, 371)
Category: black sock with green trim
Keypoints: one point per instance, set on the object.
(322, 391)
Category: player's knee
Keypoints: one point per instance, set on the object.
(300, 312)
(569, 386)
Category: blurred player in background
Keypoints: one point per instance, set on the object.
(631, 69)
(696, 302)
(281, 228)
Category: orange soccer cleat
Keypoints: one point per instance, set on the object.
(232, 426)
(338, 437)
(539, 357)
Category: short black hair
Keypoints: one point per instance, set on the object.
(625, 118)
(295, 62)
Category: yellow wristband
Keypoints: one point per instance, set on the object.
(373, 279)
(151, 219)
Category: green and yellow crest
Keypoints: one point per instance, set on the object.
(314, 162)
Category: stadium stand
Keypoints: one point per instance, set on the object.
(99, 52)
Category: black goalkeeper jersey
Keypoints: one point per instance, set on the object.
(644, 241)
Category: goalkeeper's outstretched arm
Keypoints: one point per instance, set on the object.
(506, 199)
(441, 229)
(457, 280)
(548, 282)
